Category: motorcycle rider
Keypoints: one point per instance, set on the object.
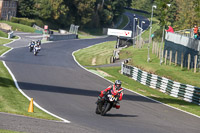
(116, 89)
(31, 45)
(38, 43)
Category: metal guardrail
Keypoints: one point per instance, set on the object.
(73, 29)
(187, 92)
(37, 27)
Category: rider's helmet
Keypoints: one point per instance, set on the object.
(33, 42)
(118, 84)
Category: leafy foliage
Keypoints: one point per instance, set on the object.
(85, 13)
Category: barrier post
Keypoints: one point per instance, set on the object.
(170, 58)
(195, 64)
(181, 60)
(176, 58)
(189, 56)
(165, 57)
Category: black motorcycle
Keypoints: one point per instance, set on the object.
(105, 103)
(31, 47)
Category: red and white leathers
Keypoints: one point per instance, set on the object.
(118, 92)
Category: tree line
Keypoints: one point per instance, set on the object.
(85, 13)
(180, 14)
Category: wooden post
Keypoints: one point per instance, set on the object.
(182, 60)
(189, 57)
(153, 48)
(170, 58)
(157, 49)
(159, 53)
(165, 57)
(176, 58)
(195, 64)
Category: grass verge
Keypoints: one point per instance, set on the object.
(3, 34)
(138, 56)
(19, 27)
(3, 48)
(175, 73)
(96, 55)
(8, 131)
(12, 101)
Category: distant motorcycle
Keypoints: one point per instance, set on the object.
(36, 50)
(31, 46)
(105, 104)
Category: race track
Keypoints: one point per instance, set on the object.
(61, 86)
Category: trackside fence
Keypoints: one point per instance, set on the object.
(187, 92)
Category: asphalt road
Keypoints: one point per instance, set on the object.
(59, 85)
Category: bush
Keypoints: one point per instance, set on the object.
(39, 23)
(25, 21)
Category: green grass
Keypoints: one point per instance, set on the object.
(100, 54)
(8, 131)
(3, 34)
(3, 48)
(139, 13)
(84, 35)
(93, 31)
(19, 27)
(12, 101)
(124, 22)
(139, 57)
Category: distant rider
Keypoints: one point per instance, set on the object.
(116, 89)
(38, 43)
(32, 43)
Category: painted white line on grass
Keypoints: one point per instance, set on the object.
(129, 89)
(20, 90)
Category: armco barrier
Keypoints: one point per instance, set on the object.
(62, 37)
(187, 92)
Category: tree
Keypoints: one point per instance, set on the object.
(26, 8)
(144, 5)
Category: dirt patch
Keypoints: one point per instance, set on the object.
(155, 96)
(104, 73)
(142, 90)
(94, 61)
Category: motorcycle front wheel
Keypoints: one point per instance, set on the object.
(105, 108)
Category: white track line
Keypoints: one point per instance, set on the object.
(129, 89)
(17, 86)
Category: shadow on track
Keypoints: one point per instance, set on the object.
(120, 115)
(95, 93)
(5, 82)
